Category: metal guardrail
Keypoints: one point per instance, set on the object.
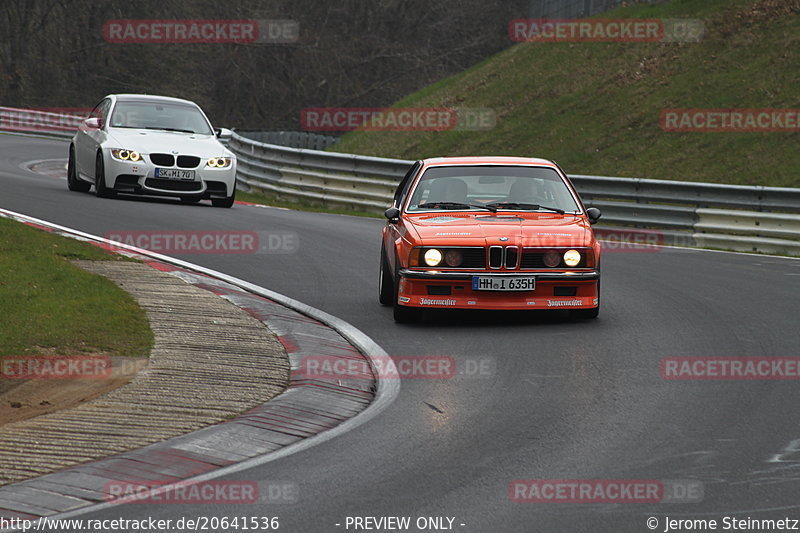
(39, 122)
(731, 217)
(752, 198)
(293, 139)
(341, 180)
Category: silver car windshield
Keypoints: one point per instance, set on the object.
(160, 116)
(499, 187)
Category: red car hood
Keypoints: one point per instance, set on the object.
(481, 229)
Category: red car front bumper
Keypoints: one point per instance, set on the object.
(454, 290)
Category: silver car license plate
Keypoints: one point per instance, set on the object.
(174, 174)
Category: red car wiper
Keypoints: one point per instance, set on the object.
(455, 205)
(525, 207)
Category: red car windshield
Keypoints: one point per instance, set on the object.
(507, 186)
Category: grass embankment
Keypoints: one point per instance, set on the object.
(596, 107)
(273, 200)
(51, 307)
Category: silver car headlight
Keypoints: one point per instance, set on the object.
(219, 162)
(126, 155)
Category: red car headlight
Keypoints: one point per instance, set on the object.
(453, 258)
(552, 259)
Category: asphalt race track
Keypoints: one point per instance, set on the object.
(561, 400)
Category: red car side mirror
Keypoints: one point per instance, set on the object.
(393, 214)
(594, 215)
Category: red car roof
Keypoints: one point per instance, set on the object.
(487, 160)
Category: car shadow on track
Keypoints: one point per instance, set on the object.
(468, 318)
(158, 200)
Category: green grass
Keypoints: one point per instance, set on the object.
(596, 107)
(298, 205)
(51, 307)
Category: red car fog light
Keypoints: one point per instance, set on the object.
(453, 258)
(552, 259)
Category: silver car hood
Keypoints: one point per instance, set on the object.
(155, 141)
